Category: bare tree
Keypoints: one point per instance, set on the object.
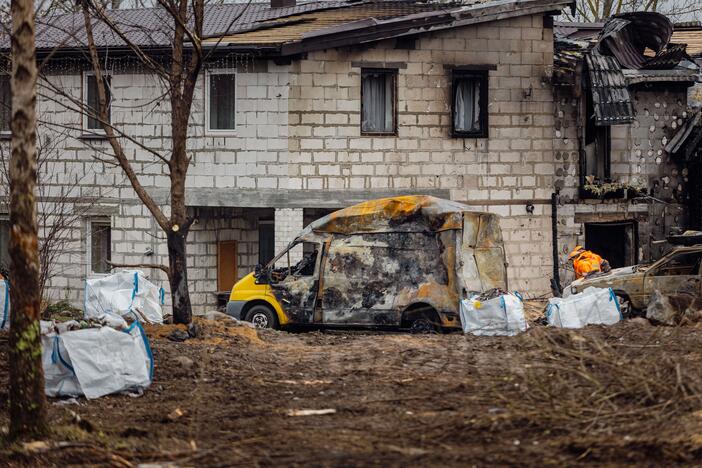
(178, 71)
(600, 10)
(26, 392)
(58, 214)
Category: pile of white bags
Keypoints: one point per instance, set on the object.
(502, 315)
(124, 294)
(95, 361)
(592, 306)
(5, 304)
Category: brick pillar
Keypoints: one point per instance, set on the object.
(288, 224)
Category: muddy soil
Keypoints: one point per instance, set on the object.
(625, 394)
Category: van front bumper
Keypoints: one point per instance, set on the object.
(234, 309)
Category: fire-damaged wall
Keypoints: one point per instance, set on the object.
(638, 161)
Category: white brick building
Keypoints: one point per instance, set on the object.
(283, 140)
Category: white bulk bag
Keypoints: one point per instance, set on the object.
(96, 361)
(124, 293)
(502, 315)
(597, 306)
(5, 304)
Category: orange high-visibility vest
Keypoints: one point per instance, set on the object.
(585, 263)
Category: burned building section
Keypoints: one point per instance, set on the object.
(621, 98)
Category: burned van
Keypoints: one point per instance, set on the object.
(395, 262)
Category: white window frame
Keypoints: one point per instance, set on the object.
(89, 245)
(84, 102)
(208, 74)
(7, 133)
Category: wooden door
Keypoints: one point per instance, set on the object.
(226, 265)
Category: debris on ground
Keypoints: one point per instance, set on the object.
(493, 313)
(125, 294)
(593, 306)
(674, 309)
(311, 412)
(561, 393)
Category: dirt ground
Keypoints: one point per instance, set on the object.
(625, 394)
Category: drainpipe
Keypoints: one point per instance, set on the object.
(556, 280)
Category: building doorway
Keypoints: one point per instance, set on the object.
(617, 242)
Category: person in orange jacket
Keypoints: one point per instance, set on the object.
(586, 262)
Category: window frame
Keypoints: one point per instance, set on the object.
(4, 134)
(91, 132)
(394, 73)
(107, 222)
(484, 77)
(208, 74)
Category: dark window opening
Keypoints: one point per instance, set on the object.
(222, 97)
(92, 101)
(100, 246)
(378, 89)
(5, 103)
(266, 241)
(469, 108)
(597, 149)
(615, 242)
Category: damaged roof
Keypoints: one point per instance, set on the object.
(287, 30)
(610, 95)
(629, 48)
(394, 214)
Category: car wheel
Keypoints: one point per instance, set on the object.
(262, 317)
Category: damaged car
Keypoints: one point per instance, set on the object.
(676, 272)
(394, 262)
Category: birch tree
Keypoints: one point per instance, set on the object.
(26, 392)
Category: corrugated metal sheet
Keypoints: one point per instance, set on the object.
(629, 36)
(610, 95)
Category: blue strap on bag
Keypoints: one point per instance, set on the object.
(6, 308)
(146, 345)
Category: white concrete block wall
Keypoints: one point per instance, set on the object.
(288, 224)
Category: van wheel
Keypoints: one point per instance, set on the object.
(262, 317)
(424, 325)
(421, 318)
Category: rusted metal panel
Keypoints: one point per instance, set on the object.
(382, 256)
(371, 278)
(405, 213)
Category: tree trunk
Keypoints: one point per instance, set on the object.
(26, 392)
(178, 279)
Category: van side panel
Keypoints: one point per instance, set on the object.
(483, 265)
(370, 278)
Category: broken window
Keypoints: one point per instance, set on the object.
(683, 264)
(378, 101)
(221, 96)
(100, 248)
(469, 104)
(596, 167)
(92, 102)
(5, 104)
